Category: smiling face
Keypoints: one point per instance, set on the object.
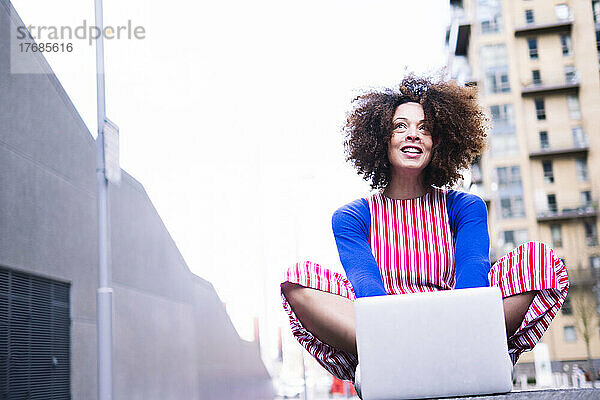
(409, 150)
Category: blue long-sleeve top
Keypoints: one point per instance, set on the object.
(467, 215)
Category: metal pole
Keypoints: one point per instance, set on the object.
(104, 292)
(297, 240)
(304, 376)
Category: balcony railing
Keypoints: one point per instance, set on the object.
(568, 83)
(535, 28)
(581, 210)
(582, 276)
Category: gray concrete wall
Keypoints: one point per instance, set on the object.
(172, 336)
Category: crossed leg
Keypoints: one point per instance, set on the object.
(327, 316)
(330, 317)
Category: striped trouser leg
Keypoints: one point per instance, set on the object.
(531, 266)
(339, 363)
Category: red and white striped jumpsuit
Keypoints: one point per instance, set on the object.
(412, 242)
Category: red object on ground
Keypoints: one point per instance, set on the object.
(337, 386)
(342, 387)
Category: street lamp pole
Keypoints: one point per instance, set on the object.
(104, 291)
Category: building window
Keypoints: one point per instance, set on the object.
(595, 262)
(579, 138)
(536, 78)
(529, 19)
(548, 172)
(533, 48)
(503, 140)
(503, 115)
(494, 55)
(515, 238)
(556, 234)
(596, 11)
(503, 145)
(491, 26)
(509, 177)
(562, 11)
(552, 206)
(494, 62)
(510, 192)
(521, 236)
(540, 109)
(591, 233)
(570, 74)
(586, 198)
(565, 44)
(544, 141)
(512, 207)
(509, 238)
(567, 307)
(570, 334)
(573, 105)
(582, 169)
(490, 16)
(496, 81)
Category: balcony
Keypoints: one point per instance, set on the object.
(573, 151)
(578, 147)
(569, 84)
(564, 25)
(582, 210)
(582, 276)
(459, 35)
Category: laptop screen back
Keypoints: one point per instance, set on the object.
(446, 343)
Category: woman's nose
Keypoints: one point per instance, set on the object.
(413, 136)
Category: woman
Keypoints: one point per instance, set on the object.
(413, 236)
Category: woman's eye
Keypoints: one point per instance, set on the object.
(400, 126)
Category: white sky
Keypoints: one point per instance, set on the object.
(230, 115)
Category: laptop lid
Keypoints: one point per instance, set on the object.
(439, 344)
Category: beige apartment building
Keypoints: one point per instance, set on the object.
(536, 65)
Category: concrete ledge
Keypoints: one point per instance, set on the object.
(554, 394)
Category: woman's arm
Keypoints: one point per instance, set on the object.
(468, 220)
(351, 224)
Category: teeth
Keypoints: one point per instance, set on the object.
(411, 150)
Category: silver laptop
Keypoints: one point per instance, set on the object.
(440, 344)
